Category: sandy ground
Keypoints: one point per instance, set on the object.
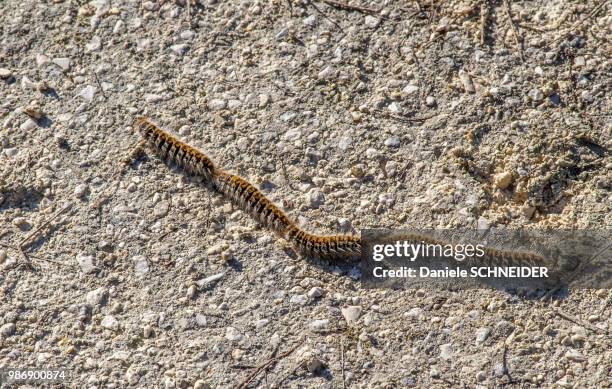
(401, 114)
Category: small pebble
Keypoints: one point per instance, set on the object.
(5, 73)
(110, 323)
(232, 334)
(42, 60)
(22, 223)
(8, 330)
(503, 180)
(217, 104)
(88, 93)
(147, 331)
(86, 262)
(466, 80)
(200, 320)
(410, 89)
(179, 49)
(371, 21)
(586, 96)
(315, 198)
(28, 125)
(81, 191)
(97, 297)
(574, 355)
(153, 98)
(446, 351)
(430, 101)
(141, 265)
(351, 313)
(327, 73)
(536, 95)
(315, 292)
(187, 35)
(63, 63)
(392, 142)
(192, 291)
(482, 334)
(319, 325)
(204, 282)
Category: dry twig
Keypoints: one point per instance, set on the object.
(576, 320)
(349, 7)
(517, 38)
(265, 365)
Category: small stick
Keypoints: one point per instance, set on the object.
(100, 85)
(576, 320)
(325, 16)
(483, 20)
(515, 30)
(44, 224)
(342, 362)
(578, 23)
(349, 7)
(265, 365)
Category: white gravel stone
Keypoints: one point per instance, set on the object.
(574, 355)
(261, 323)
(293, 134)
(351, 313)
(141, 265)
(315, 198)
(483, 223)
(81, 191)
(119, 27)
(345, 142)
(299, 299)
(430, 101)
(482, 334)
(94, 45)
(371, 21)
(201, 320)
(446, 351)
(153, 98)
(392, 141)
(8, 329)
(316, 292)
(466, 80)
(319, 325)
(310, 21)
(63, 63)
(88, 93)
(22, 223)
(5, 73)
(179, 49)
(27, 84)
(86, 262)
(97, 297)
(187, 35)
(204, 282)
(42, 60)
(536, 95)
(217, 104)
(110, 323)
(372, 153)
(233, 335)
(586, 96)
(28, 125)
(410, 89)
(327, 73)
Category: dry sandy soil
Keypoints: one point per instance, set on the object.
(426, 114)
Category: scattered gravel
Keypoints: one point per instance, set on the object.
(404, 117)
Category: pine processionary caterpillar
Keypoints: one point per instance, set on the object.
(245, 195)
(251, 200)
